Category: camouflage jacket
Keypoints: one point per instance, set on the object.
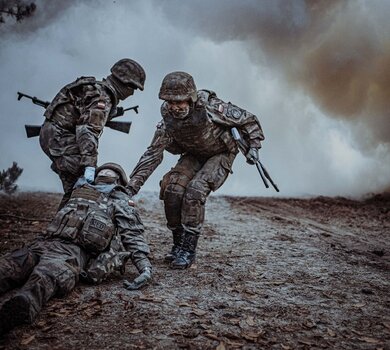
(94, 220)
(79, 111)
(203, 134)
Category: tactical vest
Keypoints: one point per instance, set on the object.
(196, 134)
(65, 95)
(86, 220)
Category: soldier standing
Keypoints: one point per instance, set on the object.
(76, 117)
(93, 235)
(197, 126)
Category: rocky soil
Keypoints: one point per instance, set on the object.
(270, 274)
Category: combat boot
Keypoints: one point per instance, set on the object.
(177, 242)
(186, 256)
(16, 311)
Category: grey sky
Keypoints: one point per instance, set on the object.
(316, 76)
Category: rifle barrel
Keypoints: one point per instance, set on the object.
(130, 108)
(261, 175)
(268, 176)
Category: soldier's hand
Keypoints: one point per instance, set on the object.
(142, 280)
(252, 156)
(80, 182)
(89, 174)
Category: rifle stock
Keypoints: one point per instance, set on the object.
(119, 126)
(32, 130)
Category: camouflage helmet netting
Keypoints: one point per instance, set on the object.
(117, 168)
(178, 86)
(129, 72)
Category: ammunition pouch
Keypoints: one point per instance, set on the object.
(83, 222)
(97, 232)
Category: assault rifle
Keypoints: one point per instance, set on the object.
(243, 147)
(34, 130)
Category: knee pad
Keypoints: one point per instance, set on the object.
(196, 192)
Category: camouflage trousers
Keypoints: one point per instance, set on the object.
(186, 187)
(40, 271)
(61, 147)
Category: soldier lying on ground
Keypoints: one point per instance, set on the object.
(197, 125)
(92, 236)
(76, 117)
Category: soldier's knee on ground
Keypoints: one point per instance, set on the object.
(64, 276)
(25, 258)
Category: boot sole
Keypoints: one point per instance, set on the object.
(169, 259)
(14, 312)
(182, 267)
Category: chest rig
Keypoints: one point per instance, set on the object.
(86, 220)
(196, 134)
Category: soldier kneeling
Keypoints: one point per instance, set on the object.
(91, 237)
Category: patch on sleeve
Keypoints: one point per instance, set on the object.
(234, 111)
(101, 105)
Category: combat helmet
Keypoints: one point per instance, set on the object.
(117, 168)
(129, 72)
(178, 86)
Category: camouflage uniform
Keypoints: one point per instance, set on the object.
(77, 115)
(93, 235)
(73, 125)
(207, 151)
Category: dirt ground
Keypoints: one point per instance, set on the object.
(270, 274)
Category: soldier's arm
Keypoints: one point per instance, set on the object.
(94, 108)
(232, 116)
(130, 228)
(150, 160)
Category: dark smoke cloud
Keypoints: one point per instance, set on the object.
(244, 50)
(46, 12)
(338, 52)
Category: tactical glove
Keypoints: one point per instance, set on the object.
(142, 280)
(89, 174)
(130, 190)
(81, 181)
(252, 156)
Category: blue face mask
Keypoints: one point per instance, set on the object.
(104, 188)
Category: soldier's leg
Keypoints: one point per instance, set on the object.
(56, 274)
(173, 187)
(211, 176)
(61, 147)
(16, 267)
